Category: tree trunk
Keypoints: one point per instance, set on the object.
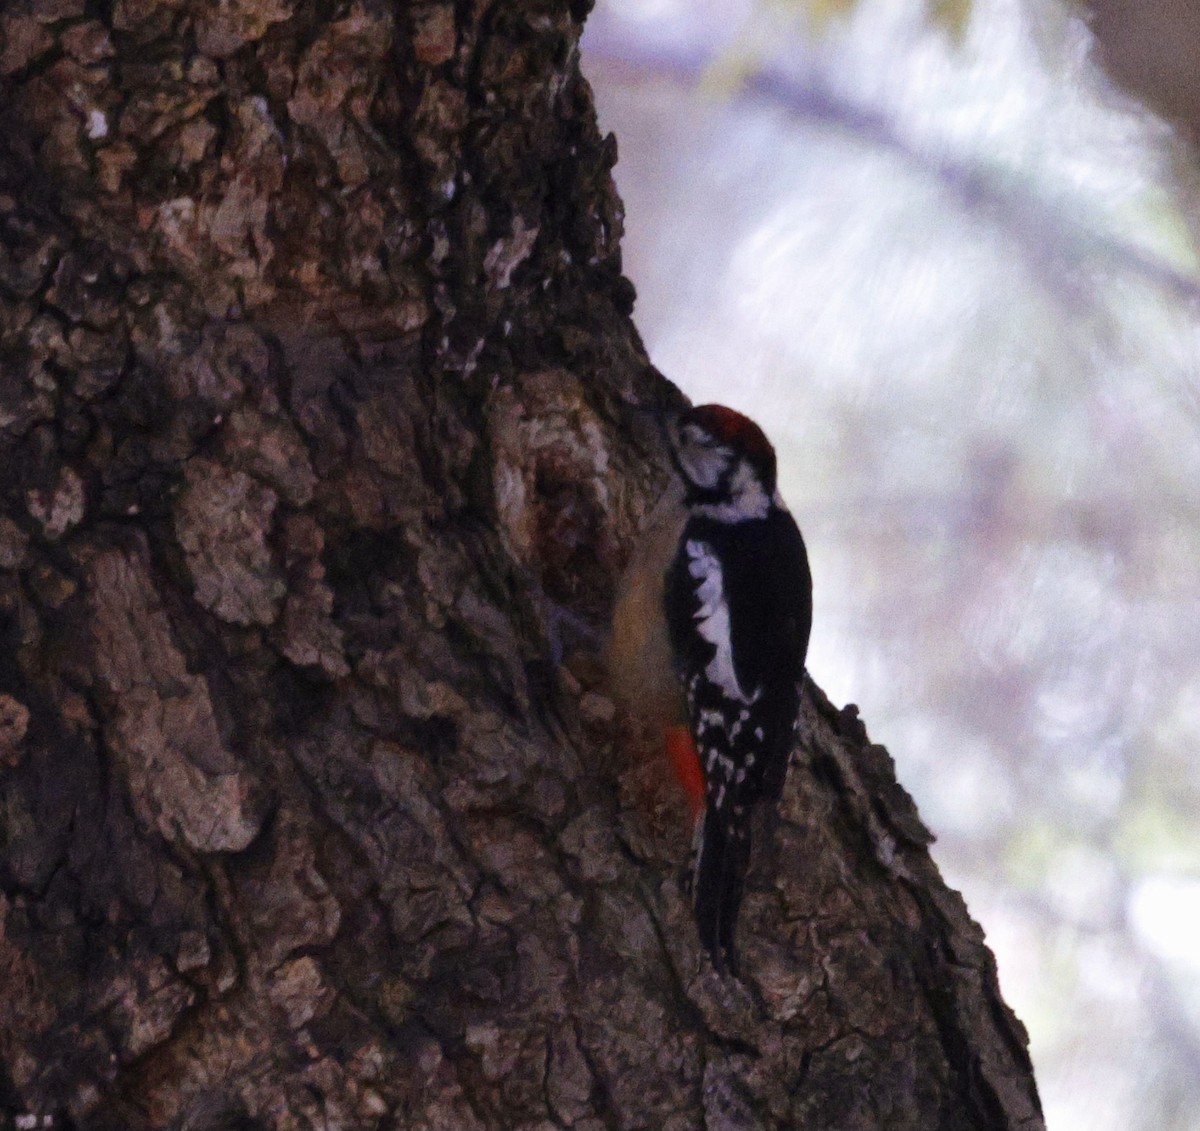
(317, 471)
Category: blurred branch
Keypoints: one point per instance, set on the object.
(1059, 242)
(1151, 49)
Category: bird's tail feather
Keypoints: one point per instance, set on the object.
(720, 856)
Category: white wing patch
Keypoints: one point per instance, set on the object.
(712, 619)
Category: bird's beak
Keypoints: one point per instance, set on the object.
(665, 416)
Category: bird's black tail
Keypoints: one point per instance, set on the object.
(721, 854)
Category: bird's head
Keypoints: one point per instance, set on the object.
(727, 464)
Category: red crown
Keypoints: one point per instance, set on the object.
(733, 428)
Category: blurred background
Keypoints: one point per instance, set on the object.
(945, 252)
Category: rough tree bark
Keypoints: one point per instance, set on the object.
(316, 474)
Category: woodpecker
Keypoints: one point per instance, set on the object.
(710, 632)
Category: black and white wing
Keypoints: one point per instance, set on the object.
(739, 603)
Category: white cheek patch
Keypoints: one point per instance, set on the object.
(703, 466)
(747, 499)
(712, 619)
